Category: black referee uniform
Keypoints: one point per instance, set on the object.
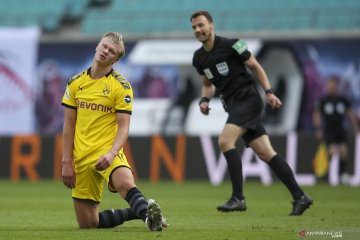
(223, 66)
(333, 109)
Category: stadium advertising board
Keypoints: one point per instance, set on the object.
(176, 158)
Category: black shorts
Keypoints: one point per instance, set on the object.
(252, 134)
(335, 136)
(246, 112)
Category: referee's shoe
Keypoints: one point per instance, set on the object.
(300, 205)
(233, 204)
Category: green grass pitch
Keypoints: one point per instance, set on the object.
(43, 210)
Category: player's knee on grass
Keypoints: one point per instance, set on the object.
(86, 213)
(88, 223)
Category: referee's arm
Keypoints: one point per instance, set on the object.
(207, 92)
(261, 76)
(208, 89)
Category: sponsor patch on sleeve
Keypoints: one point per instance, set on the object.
(127, 99)
(240, 46)
(67, 93)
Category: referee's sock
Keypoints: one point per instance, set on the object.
(342, 167)
(137, 203)
(286, 176)
(114, 217)
(235, 170)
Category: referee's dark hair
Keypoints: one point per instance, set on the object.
(202, 13)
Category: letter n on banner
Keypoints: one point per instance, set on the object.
(160, 151)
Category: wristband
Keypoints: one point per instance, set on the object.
(204, 99)
(269, 91)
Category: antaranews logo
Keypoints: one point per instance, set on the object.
(14, 91)
(302, 233)
(330, 234)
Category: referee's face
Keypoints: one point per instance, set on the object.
(202, 28)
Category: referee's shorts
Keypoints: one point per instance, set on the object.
(246, 112)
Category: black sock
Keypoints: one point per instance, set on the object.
(137, 202)
(235, 170)
(114, 217)
(342, 167)
(286, 176)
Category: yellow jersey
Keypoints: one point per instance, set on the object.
(97, 101)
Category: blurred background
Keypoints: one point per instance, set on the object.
(299, 43)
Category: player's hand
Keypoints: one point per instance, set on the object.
(273, 101)
(319, 134)
(204, 108)
(68, 174)
(105, 161)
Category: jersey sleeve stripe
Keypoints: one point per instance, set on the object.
(124, 111)
(68, 106)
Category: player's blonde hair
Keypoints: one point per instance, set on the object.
(116, 38)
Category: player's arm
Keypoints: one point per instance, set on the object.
(261, 76)
(68, 173)
(123, 122)
(207, 92)
(354, 120)
(317, 123)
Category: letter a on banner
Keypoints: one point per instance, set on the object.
(215, 169)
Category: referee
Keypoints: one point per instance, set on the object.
(221, 63)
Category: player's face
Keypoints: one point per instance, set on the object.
(202, 28)
(107, 52)
(331, 85)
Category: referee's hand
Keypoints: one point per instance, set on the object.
(204, 108)
(273, 101)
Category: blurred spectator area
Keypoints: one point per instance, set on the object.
(144, 18)
(49, 15)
